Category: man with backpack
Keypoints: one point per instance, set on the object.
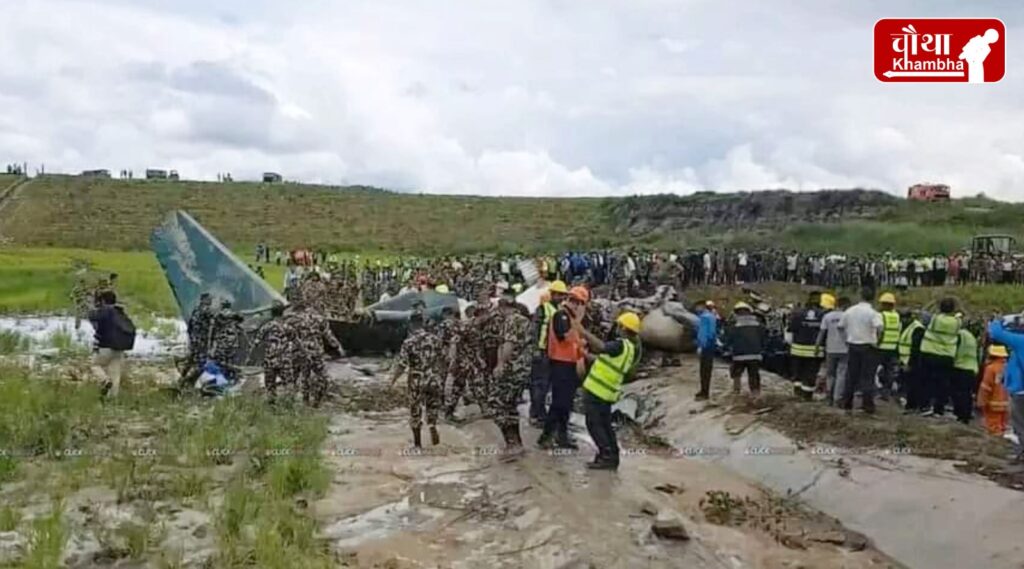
(115, 335)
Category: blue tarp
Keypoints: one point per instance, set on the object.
(194, 262)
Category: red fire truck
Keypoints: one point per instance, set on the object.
(928, 192)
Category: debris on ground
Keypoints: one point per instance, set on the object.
(669, 489)
(649, 508)
(670, 528)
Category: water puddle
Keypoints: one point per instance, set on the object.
(379, 523)
(50, 335)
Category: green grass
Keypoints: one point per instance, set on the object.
(12, 342)
(9, 518)
(35, 281)
(47, 539)
(66, 211)
(257, 523)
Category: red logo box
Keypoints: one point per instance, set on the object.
(949, 50)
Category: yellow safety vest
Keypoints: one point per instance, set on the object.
(966, 353)
(890, 331)
(906, 342)
(606, 375)
(941, 336)
(545, 323)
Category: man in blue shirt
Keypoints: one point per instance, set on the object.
(1013, 378)
(707, 340)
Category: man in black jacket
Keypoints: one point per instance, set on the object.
(746, 335)
(109, 359)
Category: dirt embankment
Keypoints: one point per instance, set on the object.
(759, 210)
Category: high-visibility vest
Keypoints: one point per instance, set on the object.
(890, 331)
(966, 353)
(548, 310)
(806, 335)
(607, 373)
(567, 350)
(907, 340)
(941, 336)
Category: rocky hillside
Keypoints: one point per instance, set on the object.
(746, 210)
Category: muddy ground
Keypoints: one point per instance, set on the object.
(693, 490)
(465, 504)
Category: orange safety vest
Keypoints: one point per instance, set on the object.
(567, 350)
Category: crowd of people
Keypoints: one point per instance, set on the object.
(928, 363)
(628, 272)
(837, 349)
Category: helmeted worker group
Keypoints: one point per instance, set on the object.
(498, 353)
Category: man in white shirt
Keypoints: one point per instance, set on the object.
(862, 325)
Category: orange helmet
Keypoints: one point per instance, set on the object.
(580, 293)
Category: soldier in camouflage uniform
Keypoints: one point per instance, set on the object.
(512, 373)
(314, 292)
(82, 299)
(313, 334)
(447, 330)
(471, 368)
(227, 334)
(422, 358)
(280, 350)
(200, 325)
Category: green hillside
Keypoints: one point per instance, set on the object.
(81, 213)
(65, 211)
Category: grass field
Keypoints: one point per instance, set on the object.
(39, 280)
(63, 211)
(218, 458)
(80, 213)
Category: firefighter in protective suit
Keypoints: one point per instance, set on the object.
(804, 325)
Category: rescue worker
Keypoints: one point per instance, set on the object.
(938, 352)
(746, 336)
(832, 337)
(280, 346)
(314, 292)
(539, 367)
(888, 355)
(313, 334)
(564, 353)
(804, 325)
(469, 366)
(82, 298)
(612, 362)
(964, 376)
(993, 402)
(511, 372)
(707, 343)
(199, 328)
(225, 339)
(447, 330)
(909, 344)
(1013, 379)
(421, 358)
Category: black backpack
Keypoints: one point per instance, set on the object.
(122, 330)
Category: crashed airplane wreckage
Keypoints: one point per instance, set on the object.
(194, 261)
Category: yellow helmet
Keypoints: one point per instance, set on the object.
(741, 306)
(887, 298)
(828, 302)
(558, 286)
(630, 321)
(997, 351)
(442, 289)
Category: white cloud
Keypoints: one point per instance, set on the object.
(532, 98)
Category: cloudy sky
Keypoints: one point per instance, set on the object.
(530, 97)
